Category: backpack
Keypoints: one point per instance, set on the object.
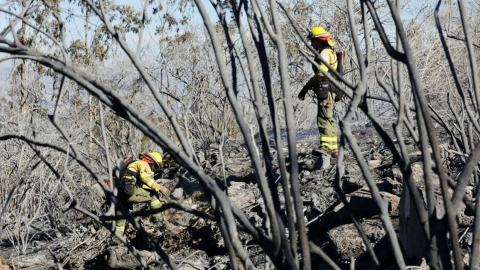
(126, 185)
(340, 62)
(124, 164)
(340, 65)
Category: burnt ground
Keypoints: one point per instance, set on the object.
(196, 243)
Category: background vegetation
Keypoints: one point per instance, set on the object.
(91, 82)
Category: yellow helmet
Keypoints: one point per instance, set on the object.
(157, 157)
(154, 157)
(318, 32)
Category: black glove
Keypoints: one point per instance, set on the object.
(302, 93)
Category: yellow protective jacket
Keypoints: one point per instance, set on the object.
(329, 56)
(140, 170)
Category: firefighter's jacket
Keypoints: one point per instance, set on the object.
(329, 56)
(142, 174)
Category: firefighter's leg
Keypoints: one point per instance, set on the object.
(143, 195)
(137, 197)
(327, 126)
(155, 203)
(120, 224)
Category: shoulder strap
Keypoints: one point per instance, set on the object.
(124, 165)
(340, 62)
(326, 47)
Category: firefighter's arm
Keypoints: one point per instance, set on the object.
(309, 85)
(326, 56)
(304, 91)
(146, 175)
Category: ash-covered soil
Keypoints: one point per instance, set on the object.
(196, 243)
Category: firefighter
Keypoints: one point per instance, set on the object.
(137, 185)
(323, 43)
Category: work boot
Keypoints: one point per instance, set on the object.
(320, 152)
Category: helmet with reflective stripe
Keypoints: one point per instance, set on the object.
(156, 157)
(153, 157)
(318, 32)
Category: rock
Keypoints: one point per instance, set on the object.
(194, 260)
(396, 174)
(304, 177)
(32, 261)
(419, 152)
(322, 163)
(363, 205)
(393, 200)
(352, 169)
(98, 191)
(347, 242)
(189, 184)
(201, 157)
(439, 204)
(235, 168)
(81, 229)
(372, 164)
(220, 262)
(351, 184)
(466, 259)
(468, 239)
(121, 258)
(377, 156)
(316, 199)
(419, 180)
(424, 264)
(177, 193)
(469, 193)
(391, 186)
(418, 177)
(240, 194)
(4, 265)
(321, 201)
(465, 221)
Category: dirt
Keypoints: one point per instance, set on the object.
(196, 243)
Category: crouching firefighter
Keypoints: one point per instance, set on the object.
(137, 185)
(327, 93)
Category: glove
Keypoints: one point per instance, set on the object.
(302, 93)
(165, 191)
(156, 187)
(162, 189)
(301, 96)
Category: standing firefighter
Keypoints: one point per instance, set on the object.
(326, 92)
(137, 185)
